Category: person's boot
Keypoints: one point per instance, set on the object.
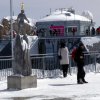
(65, 74)
(80, 81)
(84, 81)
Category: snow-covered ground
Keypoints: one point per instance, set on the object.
(56, 89)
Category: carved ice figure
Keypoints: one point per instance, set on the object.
(22, 62)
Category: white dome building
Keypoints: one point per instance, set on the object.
(63, 22)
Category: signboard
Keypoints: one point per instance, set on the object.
(57, 30)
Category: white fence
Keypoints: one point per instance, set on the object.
(47, 66)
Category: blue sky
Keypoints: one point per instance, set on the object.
(39, 8)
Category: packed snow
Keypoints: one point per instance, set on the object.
(56, 89)
(91, 41)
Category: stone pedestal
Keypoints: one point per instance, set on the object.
(21, 82)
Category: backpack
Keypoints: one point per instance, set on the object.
(73, 54)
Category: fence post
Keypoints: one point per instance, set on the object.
(43, 67)
(70, 62)
(95, 61)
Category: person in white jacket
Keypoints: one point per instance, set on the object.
(64, 61)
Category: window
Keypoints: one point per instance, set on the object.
(71, 29)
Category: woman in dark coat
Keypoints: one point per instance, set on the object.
(79, 58)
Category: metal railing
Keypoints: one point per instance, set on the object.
(5, 67)
(47, 65)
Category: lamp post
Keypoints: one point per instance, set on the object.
(11, 25)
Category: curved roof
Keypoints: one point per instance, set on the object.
(63, 16)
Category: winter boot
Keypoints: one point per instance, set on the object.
(84, 81)
(80, 81)
(65, 74)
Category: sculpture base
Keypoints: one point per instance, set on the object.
(21, 82)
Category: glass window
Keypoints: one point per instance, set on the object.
(72, 29)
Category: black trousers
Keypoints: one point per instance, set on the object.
(65, 69)
(80, 72)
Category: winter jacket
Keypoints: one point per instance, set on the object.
(79, 56)
(64, 55)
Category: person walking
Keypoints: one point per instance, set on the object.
(79, 59)
(64, 58)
